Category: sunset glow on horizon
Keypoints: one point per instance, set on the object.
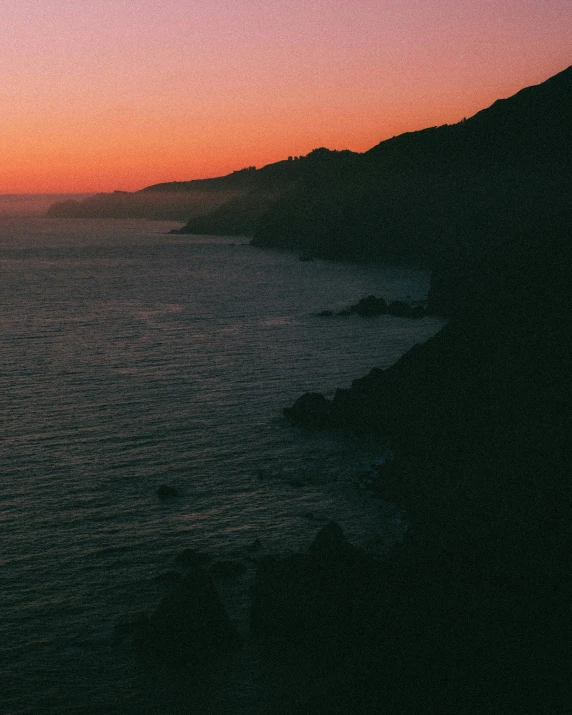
(118, 94)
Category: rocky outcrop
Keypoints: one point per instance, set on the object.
(311, 409)
(190, 627)
(322, 604)
(371, 306)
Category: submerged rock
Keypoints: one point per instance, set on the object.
(166, 491)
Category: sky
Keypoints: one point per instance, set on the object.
(98, 95)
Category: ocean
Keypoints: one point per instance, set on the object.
(132, 358)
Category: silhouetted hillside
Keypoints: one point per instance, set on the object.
(270, 185)
(436, 197)
(473, 614)
(425, 195)
(238, 217)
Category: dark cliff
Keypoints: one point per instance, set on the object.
(474, 613)
(505, 353)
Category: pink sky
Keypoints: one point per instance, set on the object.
(97, 95)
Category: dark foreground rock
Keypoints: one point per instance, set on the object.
(316, 616)
(311, 409)
(472, 612)
(190, 627)
(444, 628)
(319, 600)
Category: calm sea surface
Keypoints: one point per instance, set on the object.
(130, 359)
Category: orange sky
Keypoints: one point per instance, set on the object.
(97, 95)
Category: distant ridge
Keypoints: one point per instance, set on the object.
(180, 200)
(421, 197)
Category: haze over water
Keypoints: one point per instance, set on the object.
(20, 205)
(130, 359)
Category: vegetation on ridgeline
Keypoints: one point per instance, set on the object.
(432, 196)
(224, 205)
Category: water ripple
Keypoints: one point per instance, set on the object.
(133, 359)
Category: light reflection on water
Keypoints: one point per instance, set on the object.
(131, 359)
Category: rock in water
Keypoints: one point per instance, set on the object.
(330, 543)
(166, 491)
(370, 306)
(311, 409)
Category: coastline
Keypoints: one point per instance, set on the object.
(249, 474)
(469, 613)
(479, 418)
